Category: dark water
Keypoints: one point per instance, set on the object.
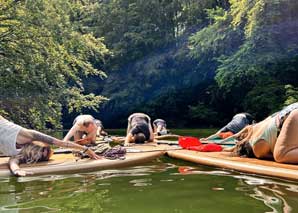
(165, 185)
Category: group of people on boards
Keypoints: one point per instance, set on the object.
(276, 137)
(24, 145)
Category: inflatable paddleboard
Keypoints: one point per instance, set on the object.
(249, 165)
(68, 163)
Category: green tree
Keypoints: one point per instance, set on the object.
(44, 53)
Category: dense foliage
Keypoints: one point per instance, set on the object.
(259, 67)
(241, 57)
(44, 53)
(193, 63)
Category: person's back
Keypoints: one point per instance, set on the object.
(160, 127)
(9, 132)
(138, 118)
(238, 122)
(139, 128)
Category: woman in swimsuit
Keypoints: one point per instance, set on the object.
(276, 137)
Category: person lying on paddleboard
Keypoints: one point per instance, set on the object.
(84, 130)
(160, 127)
(15, 138)
(139, 129)
(238, 122)
(276, 137)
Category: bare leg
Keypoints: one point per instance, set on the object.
(286, 147)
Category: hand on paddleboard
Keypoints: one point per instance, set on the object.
(22, 173)
(93, 155)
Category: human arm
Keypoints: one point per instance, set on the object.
(70, 133)
(72, 145)
(101, 132)
(28, 136)
(128, 127)
(14, 168)
(151, 138)
(214, 136)
(128, 139)
(229, 149)
(237, 135)
(129, 136)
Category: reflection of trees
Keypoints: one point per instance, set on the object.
(7, 196)
(66, 195)
(83, 193)
(271, 193)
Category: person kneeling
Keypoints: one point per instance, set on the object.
(139, 129)
(160, 127)
(84, 130)
(238, 122)
(276, 137)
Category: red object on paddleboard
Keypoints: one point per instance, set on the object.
(224, 135)
(186, 141)
(210, 147)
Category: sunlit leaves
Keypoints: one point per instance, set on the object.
(43, 53)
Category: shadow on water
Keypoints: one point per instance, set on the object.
(165, 185)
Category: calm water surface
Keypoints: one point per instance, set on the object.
(165, 185)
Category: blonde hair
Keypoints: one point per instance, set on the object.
(32, 153)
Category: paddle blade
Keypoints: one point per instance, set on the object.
(185, 141)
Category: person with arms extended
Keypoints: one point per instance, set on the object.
(238, 122)
(139, 129)
(276, 137)
(160, 127)
(21, 145)
(84, 130)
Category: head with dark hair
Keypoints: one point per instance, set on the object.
(249, 117)
(140, 132)
(139, 138)
(243, 149)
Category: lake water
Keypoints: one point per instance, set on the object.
(164, 185)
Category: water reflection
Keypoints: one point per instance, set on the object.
(272, 193)
(188, 188)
